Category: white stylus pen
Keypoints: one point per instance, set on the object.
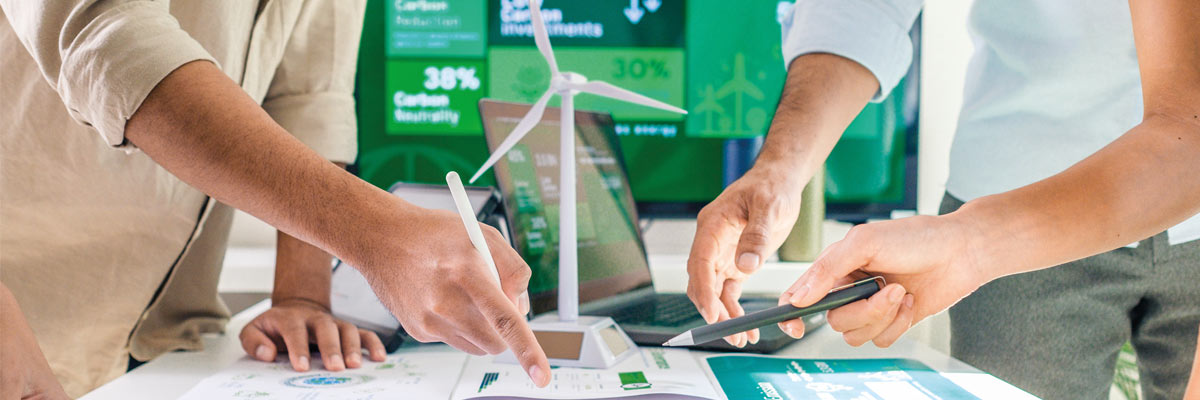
(463, 204)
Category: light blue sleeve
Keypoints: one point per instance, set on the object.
(873, 33)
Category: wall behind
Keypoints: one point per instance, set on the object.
(945, 50)
(249, 231)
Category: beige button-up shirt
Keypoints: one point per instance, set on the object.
(108, 254)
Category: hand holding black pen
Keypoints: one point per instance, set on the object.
(836, 298)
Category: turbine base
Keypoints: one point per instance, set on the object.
(588, 342)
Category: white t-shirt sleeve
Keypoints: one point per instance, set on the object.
(873, 33)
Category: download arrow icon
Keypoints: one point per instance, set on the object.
(634, 12)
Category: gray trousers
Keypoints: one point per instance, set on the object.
(1056, 332)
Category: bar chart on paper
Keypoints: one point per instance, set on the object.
(488, 379)
(659, 373)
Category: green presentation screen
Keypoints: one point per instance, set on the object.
(425, 64)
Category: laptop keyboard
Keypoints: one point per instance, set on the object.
(660, 311)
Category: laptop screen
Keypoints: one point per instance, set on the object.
(612, 257)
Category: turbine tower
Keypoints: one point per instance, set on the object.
(566, 85)
(600, 341)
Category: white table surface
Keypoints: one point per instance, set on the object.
(173, 374)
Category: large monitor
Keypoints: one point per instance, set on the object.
(425, 64)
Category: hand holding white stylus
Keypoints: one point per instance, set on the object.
(463, 204)
(528, 350)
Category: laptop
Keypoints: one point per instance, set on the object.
(614, 271)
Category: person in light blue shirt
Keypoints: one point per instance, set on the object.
(1079, 132)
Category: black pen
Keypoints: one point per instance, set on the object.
(836, 298)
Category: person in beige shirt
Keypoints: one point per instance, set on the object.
(130, 129)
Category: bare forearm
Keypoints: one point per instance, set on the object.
(1137, 186)
(753, 216)
(200, 126)
(24, 372)
(822, 95)
(302, 271)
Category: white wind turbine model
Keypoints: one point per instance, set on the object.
(569, 340)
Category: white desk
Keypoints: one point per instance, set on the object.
(173, 374)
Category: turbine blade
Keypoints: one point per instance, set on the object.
(540, 37)
(609, 90)
(527, 123)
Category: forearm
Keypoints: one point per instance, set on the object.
(1137, 186)
(822, 95)
(302, 272)
(24, 372)
(204, 129)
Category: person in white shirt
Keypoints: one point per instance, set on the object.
(1072, 141)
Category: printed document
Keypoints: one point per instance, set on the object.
(652, 373)
(415, 375)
